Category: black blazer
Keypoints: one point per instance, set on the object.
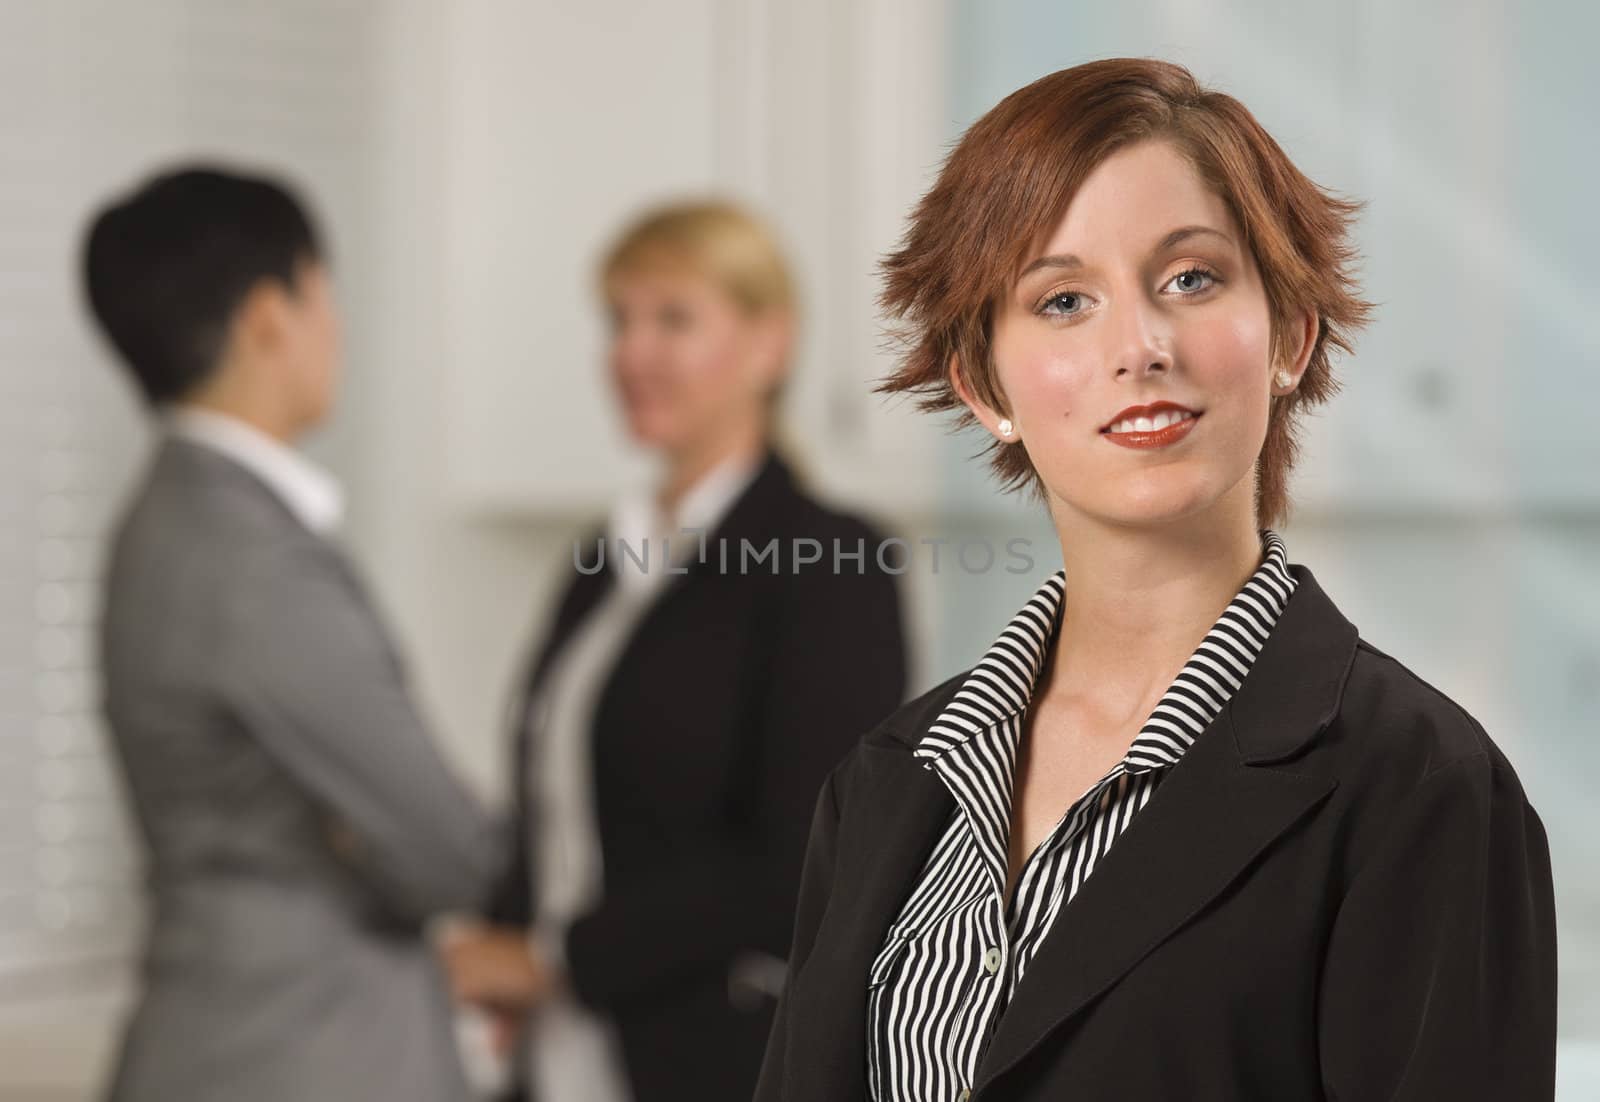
(722, 717)
(1340, 892)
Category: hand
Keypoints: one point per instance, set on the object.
(504, 1028)
(498, 969)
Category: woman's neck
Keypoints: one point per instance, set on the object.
(1139, 600)
(685, 468)
(234, 393)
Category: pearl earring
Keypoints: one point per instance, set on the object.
(1284, 379)
(1005, 427)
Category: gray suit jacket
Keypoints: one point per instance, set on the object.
(300, 824)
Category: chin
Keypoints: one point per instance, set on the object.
(1153, 517)
(1152, 502)
(318, 415)
(648, 432)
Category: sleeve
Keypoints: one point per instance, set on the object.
(1440, 977)
(510, 900)
(550, 944)
(816, 882)
(836, 668)
(312, 674)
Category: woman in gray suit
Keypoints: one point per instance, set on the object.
(300, 826)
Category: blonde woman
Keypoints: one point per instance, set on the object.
(709, 662)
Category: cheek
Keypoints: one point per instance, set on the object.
(1237, 342)
(317, 339)
(1230, 356)
(1043, 381)
(333, 345)
(707, 366)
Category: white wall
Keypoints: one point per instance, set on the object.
(466, 159)
(516, 140)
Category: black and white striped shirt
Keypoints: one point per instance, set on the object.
(957, 951)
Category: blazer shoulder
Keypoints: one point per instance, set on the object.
(190, 498)
(903, 728)
(884, 753)
(1399, 744)
(830, 554)
(186, 529)
(808, 516)
(1405, 726)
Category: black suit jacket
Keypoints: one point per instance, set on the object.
(1340, 892)
(734, 697)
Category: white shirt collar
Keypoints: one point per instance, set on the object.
(704, 503)
(310, 493)
(638, 520)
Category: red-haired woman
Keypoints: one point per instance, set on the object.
(1181, 833)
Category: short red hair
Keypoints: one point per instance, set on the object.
(1009, 181)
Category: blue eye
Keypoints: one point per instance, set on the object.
(1069, 304)
(1197, 273)
(1047, 307)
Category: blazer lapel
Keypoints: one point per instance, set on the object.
(1207, 822)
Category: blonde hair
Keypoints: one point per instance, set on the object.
(714, 238)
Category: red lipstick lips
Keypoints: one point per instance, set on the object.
(1140, 424)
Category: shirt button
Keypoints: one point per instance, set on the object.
(991, 960)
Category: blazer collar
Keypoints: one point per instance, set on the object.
(766, 497)
(1225, 801)
(1220, 807)
(1293, 692)
(1299, 675)
(764, 493)
(680, 535)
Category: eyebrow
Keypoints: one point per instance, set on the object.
(1068, 261)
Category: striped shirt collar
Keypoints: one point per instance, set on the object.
(1001, 684)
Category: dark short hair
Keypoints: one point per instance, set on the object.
(166, 266)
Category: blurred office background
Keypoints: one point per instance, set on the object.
(467, 158)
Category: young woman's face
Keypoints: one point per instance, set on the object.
(687, 362)
(1144, 295)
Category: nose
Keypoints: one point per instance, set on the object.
(1140, 345)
